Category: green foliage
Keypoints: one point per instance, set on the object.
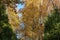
(6, 32)
(52, 26)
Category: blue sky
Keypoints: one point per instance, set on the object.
(20, 6)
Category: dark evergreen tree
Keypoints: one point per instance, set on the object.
(52, 26)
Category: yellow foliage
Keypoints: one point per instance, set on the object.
(32, 12)
(13, 18)
(31, 18)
